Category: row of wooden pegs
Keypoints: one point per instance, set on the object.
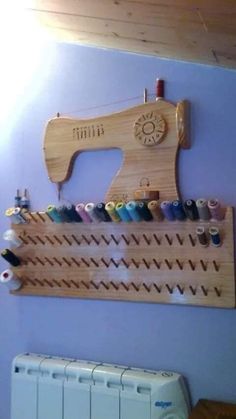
(109, 239)
(107, 263)
(122, 286)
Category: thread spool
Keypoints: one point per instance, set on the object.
(90, 210)
(101, 212)
(62, 213)
(191, 209)
(144, 212)
(216, 211)
(18, 214)
(72, 214)
(53, 214)
(159, 89)
(17, 198)
(24, 202)
(111, 209)
(146, 195)
(167, 210)
(80, 209)
(215, 236)
(203, 210)
(12, 237)
(178, 210)
(155, 210)
(201, 235)
(10, 257)
(10, 280)
(131, 207)
(10, 214)
(122, 211)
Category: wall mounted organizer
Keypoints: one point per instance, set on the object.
(153, 262)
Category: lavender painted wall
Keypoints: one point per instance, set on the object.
(198, 342)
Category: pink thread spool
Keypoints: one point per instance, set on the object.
(83, 214)
(217, 213)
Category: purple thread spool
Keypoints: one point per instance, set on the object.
(166, 207)
(83, 214)
(216, 211)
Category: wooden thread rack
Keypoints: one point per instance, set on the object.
(160, 262)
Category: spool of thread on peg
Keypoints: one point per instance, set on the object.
(201, 235)
(155, 210)
(53, 214)
(8, 278)
(10, 215)
(90, 210)
(191, 209)
(80, 209)
(18, 214)
(24, 202)
(12, 238)
(215, 236)
(17, 198)
(101, 212)
(72, 214)
(159, 89)
(63, 214)
(144, 212)
(167, 210)
(178, 210)
(203, 210)
(131, 207)
(216, 211)
(111, 209)
(122, 211)
(10, 257)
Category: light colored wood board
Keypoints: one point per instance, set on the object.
(137, 272)
(65, 138)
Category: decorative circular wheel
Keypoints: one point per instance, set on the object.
(150, 129)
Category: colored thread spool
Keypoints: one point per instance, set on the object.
(155, 210)
(80, 209)
(159, 89)
(101, 212)
(178, 210)
(63, 214)
(122, 211)
(201, 235)
(10, 257)
(8, 278)
(17, 198)
(203, 210)
(24, 202)
(167, 210)
(215, 209)
(131, 207)
(72, 214)
(144, 212)
(111, 209)
(18, 214)
(191, 209)
(215, 236)
(10, 214)
(90, 210)
(53, 214)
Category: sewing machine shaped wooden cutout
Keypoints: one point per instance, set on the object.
(150, 136)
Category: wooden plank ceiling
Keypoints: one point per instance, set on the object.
(203, 31)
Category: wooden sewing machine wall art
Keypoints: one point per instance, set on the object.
(149, 135)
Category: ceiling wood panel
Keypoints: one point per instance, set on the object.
(202, 31)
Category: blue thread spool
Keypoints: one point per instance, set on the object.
(178, 210)
(53, 214)
(215, 236)
(24, 202)
(122, 211)
(144, 212)
(101, 212)
(71, 212)
(17, 198)
(191, 209)
(167, 210)
(62, 212)
(131, 207)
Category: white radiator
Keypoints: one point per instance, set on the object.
(55, 388)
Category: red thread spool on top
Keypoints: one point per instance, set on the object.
(160, 89)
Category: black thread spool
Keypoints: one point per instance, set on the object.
(201, 235)
(215, 236)
(101, 212)
(191, 209)
(72, 214)
(144, 212)
(62, 213)
(10, 257)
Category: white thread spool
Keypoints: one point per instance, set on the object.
(12, 282)
(89, 208)
(12, 237)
